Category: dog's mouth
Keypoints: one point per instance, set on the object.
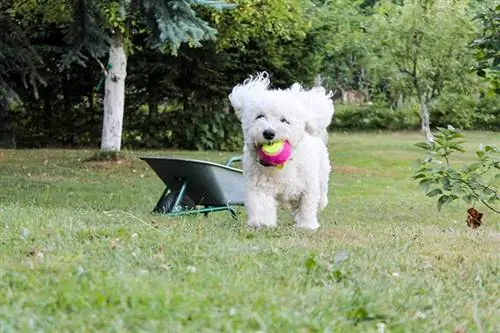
(264, 163)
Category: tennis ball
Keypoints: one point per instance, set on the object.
(273, 148)
(275, 154)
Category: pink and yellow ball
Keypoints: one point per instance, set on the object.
(276, 153)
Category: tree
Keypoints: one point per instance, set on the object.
(344, 66)
(169, 24)
(279, 36)
(422, 43)
(487, 48)
(18, 62)
(97, 29)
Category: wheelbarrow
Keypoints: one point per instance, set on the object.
(195, 186)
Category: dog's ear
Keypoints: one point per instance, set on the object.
(242, 94)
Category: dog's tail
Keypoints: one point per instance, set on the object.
(242, 94)
(319, 105)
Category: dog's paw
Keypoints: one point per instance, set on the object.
(310, 225)
(257, 224)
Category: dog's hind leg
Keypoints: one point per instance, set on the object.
(324, 176)
(261, 208)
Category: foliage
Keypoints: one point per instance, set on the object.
(487, 48)
(198, 129)
(343, 26)
(374, 117)
(306, 41)
(18, 58)
(424, 46)
(475, 182)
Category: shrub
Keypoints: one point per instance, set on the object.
(374, 117)
(473, 183)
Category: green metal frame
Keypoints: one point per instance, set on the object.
(177, 208)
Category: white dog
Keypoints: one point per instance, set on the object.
(301, 117)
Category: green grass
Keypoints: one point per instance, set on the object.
(80, 252)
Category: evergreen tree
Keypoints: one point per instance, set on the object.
(100, 27)
(18, 61)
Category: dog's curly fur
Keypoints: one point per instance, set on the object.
(301, 117)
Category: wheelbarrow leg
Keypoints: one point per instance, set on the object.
(178, 200)
(157, 208)
(232, 211)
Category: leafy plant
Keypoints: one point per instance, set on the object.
(487, 48)
(475, 182)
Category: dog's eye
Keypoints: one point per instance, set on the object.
(283, 120)
(260, 116)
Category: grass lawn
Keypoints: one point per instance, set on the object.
(80, 251)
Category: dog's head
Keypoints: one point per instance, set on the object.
(268, 115)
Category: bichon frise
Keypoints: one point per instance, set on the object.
(301, 118)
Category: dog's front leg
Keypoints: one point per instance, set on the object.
(261, 208)
(306, 214)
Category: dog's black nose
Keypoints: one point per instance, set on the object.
(269, 134)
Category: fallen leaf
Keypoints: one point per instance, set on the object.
(473, 218)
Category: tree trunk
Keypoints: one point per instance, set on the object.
(400, 101)
(318, 80)
(425, 117)
(152, 104)
(7, 134)
(114, 97)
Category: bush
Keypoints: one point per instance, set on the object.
(473, 183)
(466, 111)
(207, 128)
(486, 114)
(453, 108)
(201, 129)
(375, 117)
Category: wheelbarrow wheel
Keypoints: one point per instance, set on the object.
(167, 204)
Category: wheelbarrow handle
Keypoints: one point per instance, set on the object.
(233, 160)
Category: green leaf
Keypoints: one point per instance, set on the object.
(311, 264)
(434, 192)
(423, 145)
(358, 314)
(444, 199)
(490, 149)
(468, 198)
(338, 276)
(487, 194)
(457, 147)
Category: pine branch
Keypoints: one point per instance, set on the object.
(18, 58)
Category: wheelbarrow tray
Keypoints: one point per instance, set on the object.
(207, 184)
